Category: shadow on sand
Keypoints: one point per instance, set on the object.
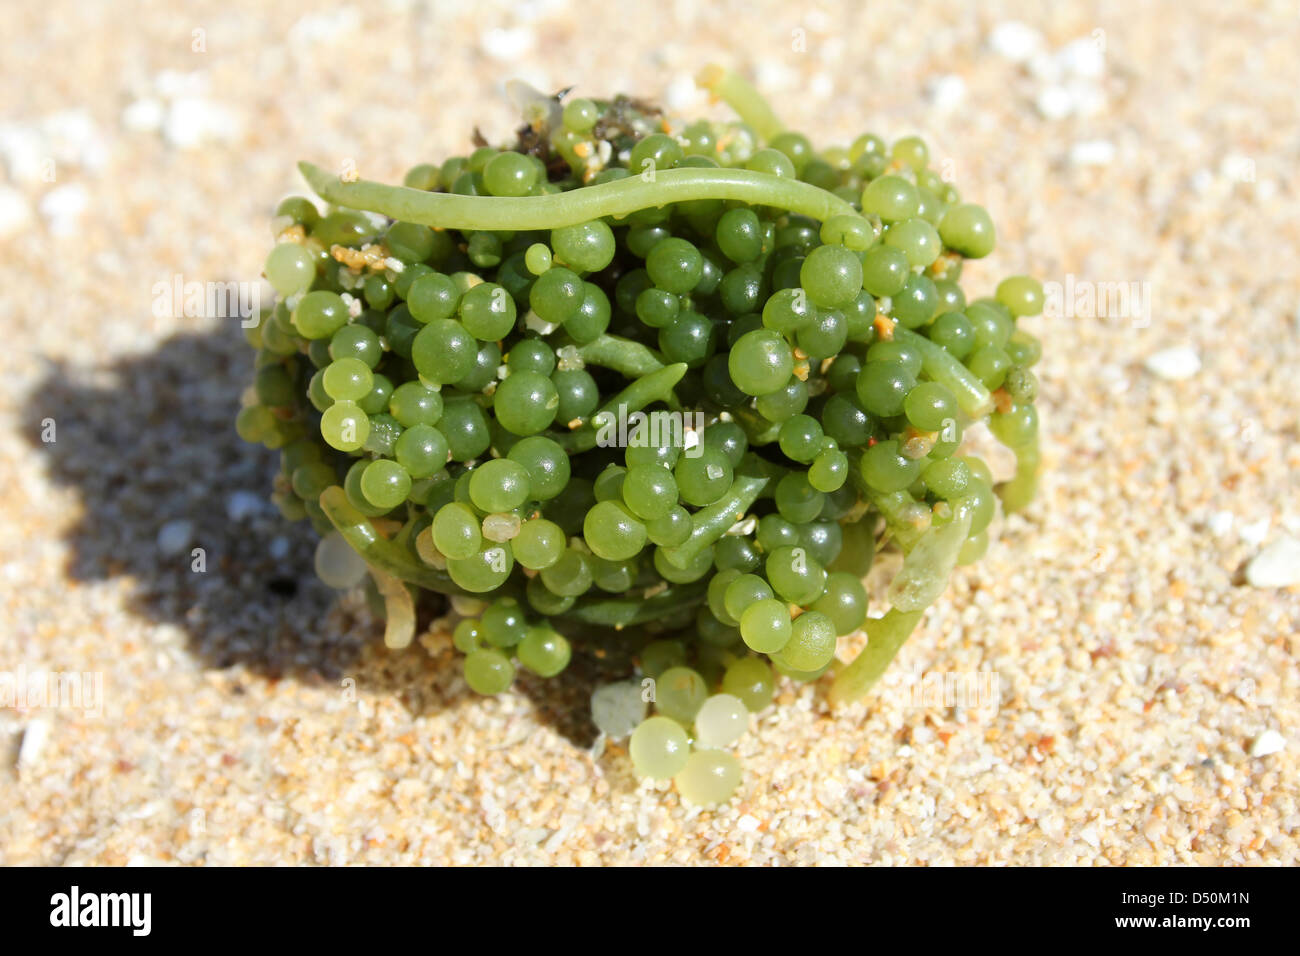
(149, 440)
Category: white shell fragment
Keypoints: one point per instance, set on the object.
(1174, 364)
(1266, 743)
(1277, 566)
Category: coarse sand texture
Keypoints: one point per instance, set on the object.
(1125, 654)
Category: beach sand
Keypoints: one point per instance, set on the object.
(1148, 705)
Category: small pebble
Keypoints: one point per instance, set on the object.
(1221, 522)
(63, 206)
(24, 153)
(1015, 41)
(279, 547)
(821, 85)
(1082, 57)
(1237, 168)
(1277, 566)
(772, 74)
(194, 121)
(682, 94)
(568, 358)
(1175, 364)
(175, 536)
(15, 212)
(1093, 152)
(242, 505)
(144, 116)
(1269, 742)
(536, 323)
(506, 44)
(72, 138)
(35, 737)
(1055, 102)
(947, 92)
(1255, 532)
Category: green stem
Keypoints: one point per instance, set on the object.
(630, 359)
(632, 609)
(918, 584)
(894, 508)
(646, 390)
(377, 550)
(927, 567)
(1017, 493)
(617, 199)
(884, 638)
(399, 609)
(737, 92)
(654, 387)
(711, 523)
(944, 368)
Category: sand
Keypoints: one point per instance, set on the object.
(1148, 692)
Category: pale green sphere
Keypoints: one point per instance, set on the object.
(721, 721)
(659, 748)
(709, 777)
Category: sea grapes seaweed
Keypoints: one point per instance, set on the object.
(486, 323)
